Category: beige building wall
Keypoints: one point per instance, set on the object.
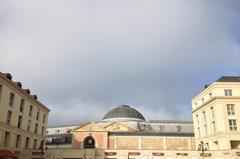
(211, 118)
(154, 142)
(11, 127)
(149, 142)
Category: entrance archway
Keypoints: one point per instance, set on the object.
(89, 142)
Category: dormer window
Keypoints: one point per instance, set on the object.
(161, 127)
(57, 131)
(179, 128)
(69, 131)
(144, 127)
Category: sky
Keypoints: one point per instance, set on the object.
(84, 58)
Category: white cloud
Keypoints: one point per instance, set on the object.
(151, 54)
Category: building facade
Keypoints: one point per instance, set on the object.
(126, 128)
(23, 119)
(216, 114)
(123, 133)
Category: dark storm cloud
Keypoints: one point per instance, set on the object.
(84, 57)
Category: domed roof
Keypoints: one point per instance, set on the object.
(123, 112)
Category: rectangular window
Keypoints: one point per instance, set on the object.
(213, 126)
(30, 110)
(18, 141)
(44, 116)
(27, 143)
(0, 92)
(228, 92)
(207, 146)
(9, 117)
(197, 120)
(35, 144)
(204, 117)
(42, 130)
(230, 109)
(11, 99)
(37, 117)
(6, 139)
(29, 125)
(22, 105)
(206, 131)
(212, 112)
(198, 130)
(232, 124)
(36, 128)
(20, 121)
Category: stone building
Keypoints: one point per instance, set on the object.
(122, 129)
(125, 134)
(216, 114)
(126, 128)
(23, 118)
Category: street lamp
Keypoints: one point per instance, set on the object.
(202, 147)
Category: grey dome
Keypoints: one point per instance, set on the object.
(123, 112)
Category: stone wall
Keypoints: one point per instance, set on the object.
(151, 142)
(126, 142)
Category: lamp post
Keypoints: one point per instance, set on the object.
(202, 147)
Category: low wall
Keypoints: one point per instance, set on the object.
(128, 154)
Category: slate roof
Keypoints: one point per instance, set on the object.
(170, 121)
(136, 133)
(160, 128)
(123, 111)
(229, 79)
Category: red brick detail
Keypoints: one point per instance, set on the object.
(111, 143)
(100, 142)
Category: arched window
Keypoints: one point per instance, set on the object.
(89, 142)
